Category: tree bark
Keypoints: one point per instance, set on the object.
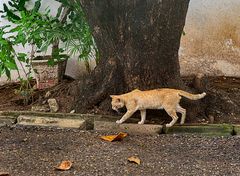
(138, 42)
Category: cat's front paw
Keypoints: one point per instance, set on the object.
(118, 121)
(140, 123)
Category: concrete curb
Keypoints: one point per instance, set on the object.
(89, 118)
(206, 130)
(236, 129)
(128, 128)
(50, 121)
(7, 120)
(105, 122)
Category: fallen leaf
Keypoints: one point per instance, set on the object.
(4, 174)
(64, 165)
(134, 159)
(112, 138)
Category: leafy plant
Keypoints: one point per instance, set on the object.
(8, 58)
(41, 30)
(74, 32)
(29, 27)
(7, 54)
(25, 90)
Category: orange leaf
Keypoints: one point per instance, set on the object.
(112, 138)
(134, 159)
(4, 174)
(64, 165)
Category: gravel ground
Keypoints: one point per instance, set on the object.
(31, 151)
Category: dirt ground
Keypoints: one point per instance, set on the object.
(222, 101)
(32, 151)
(35, 151)
(10, 101)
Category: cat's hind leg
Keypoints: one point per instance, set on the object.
(143, 117)
(174, 116)
(183, 112)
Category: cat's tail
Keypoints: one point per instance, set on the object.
(192, 96)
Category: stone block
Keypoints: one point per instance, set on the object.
(236, 129)
(206, 130)
(51, 122)
(7, 120)
(131, 128)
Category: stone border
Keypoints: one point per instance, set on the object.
(89, 118)
(130, 128)
(51, 122)
(97, 122)
(202, 129)
(236, 130)
(7, 120)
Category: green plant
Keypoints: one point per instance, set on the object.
(74, 32)
(41, 30)
(29, 26)
(8, 58)
(69, 27)
(7, 54)
(25, 90)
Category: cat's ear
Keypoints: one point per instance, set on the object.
(112, 96)
(116, 97)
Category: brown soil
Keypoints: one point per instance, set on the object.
(222, 101)
(10, 100)
(36, 151)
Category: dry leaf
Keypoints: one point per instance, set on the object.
(134, 159)
(112, 138)
(4, 174)
(64, 165)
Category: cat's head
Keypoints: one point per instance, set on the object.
(117, 102)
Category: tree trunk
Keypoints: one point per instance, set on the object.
(138, 42)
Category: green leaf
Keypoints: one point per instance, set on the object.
(5, 7)
(3, 42)
(11, 16)
(22, 57)
(59, 11)
(8, 73)
(11, 4)
(22, 54)
(51, 62)
(10, 65)
(37, 6)
(16, 29)
(21, 5)
(1, 71)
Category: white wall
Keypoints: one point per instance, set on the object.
(212, 41)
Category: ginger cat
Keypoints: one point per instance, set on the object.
(167, 99)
